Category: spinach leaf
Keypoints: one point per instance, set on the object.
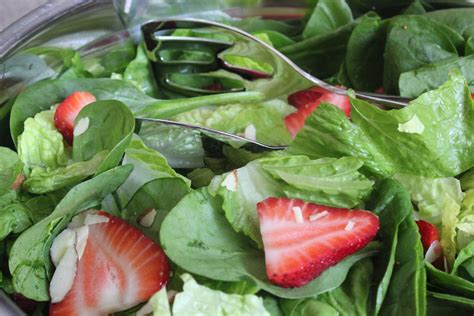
(139, 73)
(29, 261)
(41, 181)
(399, 268)
(351, 298)
(440, 307)
(109, 126)
(321, 55)
(415, 8)
(414, 83)
(464, 263)
(449, 282)
(274, 38)
(42, 95)
(10, 169)
(327, 16)
(364, 57)
(412, 42)
(118, 58)
(469, 48)
(459, 19)
(197, 237)
(459, 302)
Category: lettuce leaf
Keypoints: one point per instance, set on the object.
(40, 144)
(449, 221)
(440, 149)
(10, 168)
(429, 194)
(200, 300)
(327, 181)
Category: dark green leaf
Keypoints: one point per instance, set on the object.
(414, 83)
(327, 16)
(450, 282)
(459, 19)
(469, 48)
(29, 261)
(140, 74)
(462, 303)
(412, 42)
(464, 263)
(197, 237)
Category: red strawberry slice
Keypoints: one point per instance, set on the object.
(68, 110)
(120, 268)
(301, 240)
(431, 245)
(307, 101)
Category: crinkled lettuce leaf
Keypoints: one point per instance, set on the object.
(327, 181)
(40, 144)
(200, 300)
(449, 221)
(429, 194)
(378, 137)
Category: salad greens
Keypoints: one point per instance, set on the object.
(196, 194)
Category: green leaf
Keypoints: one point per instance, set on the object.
(351, 298)
(248, 63)
(40, 144)
(29, 261)
(327, 16)
(139, 73)
(327, 181)
(464, 263)
(364, 57)
(197, 237)
(274, 38)
(399, 273)
(414, 83)
(42, 95)
(469, 48)
(449, 282)
(10, 168)
(449, 221)
(459, 19)
(462, 304)
(430, 194)
(182, 148)
(209, 302)
(412, 42)
(109, 126)
(41, 181)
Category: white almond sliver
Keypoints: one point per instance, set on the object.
(63, 277)
(317, 216)
(92, 219)
(298, 214)
(82, 233)
(147, 219)
(63, 241)
(250, 132)
(81, 126)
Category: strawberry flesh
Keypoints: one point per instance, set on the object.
(429, 233)
(120, 268)
(68, 110)
(297, 251)
(307, 101)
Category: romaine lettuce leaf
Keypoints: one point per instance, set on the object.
(200, 300)
(40, 144)
(439, 149)
(449, 221)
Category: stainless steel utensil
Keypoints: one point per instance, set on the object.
(158, 37)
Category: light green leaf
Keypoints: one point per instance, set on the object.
(449, 220)
(10, 168)
(200, 300)
(139, 73)
(429, 194)
(464, 264)
(40, 144)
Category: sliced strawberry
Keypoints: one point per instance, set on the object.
(380, 90)
(301, 240)
(68, 110)
(119, 268)
(472, 96)
(307, 101)
(431, 243)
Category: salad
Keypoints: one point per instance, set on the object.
(367, 212)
